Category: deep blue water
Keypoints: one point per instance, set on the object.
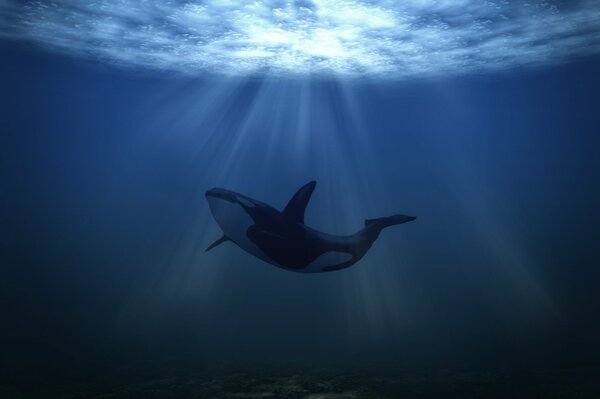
(103, 220)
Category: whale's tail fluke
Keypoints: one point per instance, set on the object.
(389, 220)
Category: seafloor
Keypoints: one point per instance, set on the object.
(579, 382)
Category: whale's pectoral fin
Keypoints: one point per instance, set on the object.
(219, 241)
(294, 210)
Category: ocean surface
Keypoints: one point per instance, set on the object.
(106, 291)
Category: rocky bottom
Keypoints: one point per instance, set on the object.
(326, 384)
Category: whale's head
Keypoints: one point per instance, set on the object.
(235, 214)
(231, 210)
(217, 195)
(223, 202)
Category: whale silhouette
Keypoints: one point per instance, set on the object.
(282, 239)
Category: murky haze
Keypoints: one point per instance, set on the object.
(104, 221)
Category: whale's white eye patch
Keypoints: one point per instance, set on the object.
(245, 202)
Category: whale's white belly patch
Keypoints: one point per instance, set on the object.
(327, 259)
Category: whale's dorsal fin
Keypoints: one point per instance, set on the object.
(294, 210)
(217, 242)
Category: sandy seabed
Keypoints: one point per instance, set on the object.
(580, 382)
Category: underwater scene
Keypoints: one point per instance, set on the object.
(309, 199)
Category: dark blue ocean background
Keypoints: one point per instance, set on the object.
(103, 224)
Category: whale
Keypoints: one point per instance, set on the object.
(282, 239)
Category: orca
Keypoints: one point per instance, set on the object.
(282, 239)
